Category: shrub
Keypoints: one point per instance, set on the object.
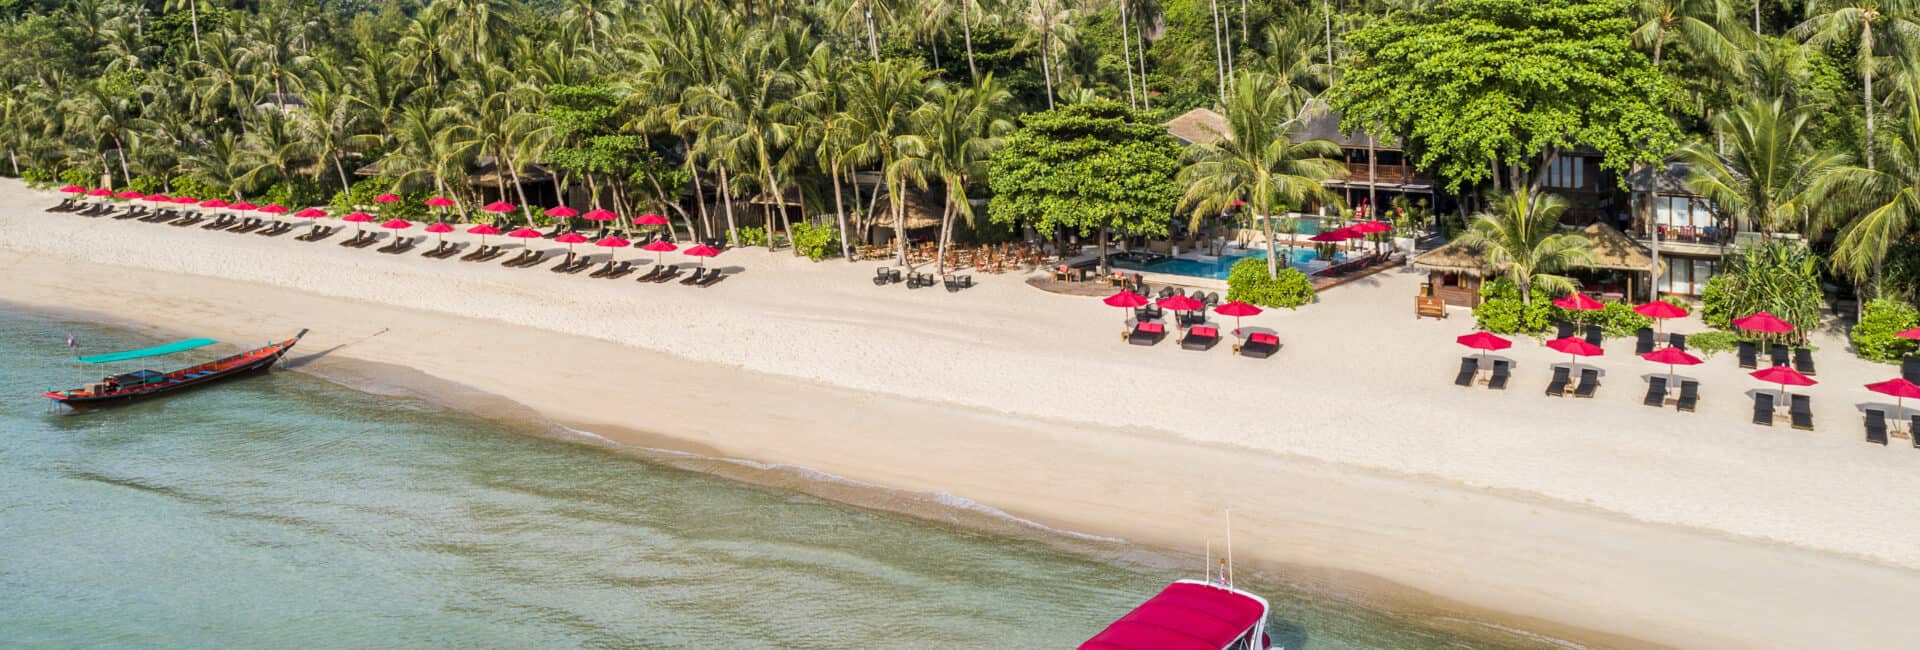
(1247, 282)
(82, 176)
(1501, 312)
(194, 187)
(38, 178)
(1778, 277)
(1616, 318)
(757, 236)
(816, 242)
(1708, 344)
(412, 205)
(1874, 337)
(144, 184)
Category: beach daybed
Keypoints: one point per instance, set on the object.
(1656, 392)
(1562, 329)
(1877, 427)
(1201, 338)
(1502, 371)
(1913, 431)
(1259, 345)
(1749, 358)
(1689, 395)
(1643, 340)
(713, 277)
(1803, 361)
(1800, 411)
(1147, 333)
(1469, 367)
(1763, 408)
(1557, 387)
(1589, 382)
(698, 275)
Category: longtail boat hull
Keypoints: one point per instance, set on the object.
(145, 384)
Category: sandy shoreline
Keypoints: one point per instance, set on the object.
(1348, 450)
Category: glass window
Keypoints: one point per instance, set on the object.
(1683, 211)
(1567, 172)
(1686, 277)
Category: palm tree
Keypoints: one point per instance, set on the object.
(1701, 25)
(829, 127)
(1884, 204)
(328, 120)
(961, 129)
(1520, 237)
(748, 118)
(193, 10)
(214, 164)
(429, 144)
(488, 103)
(106, 115)
(1869, 21)
(1050, 27)
(1767, 166)
(1258, 163)
(884, 98)
(272, 149)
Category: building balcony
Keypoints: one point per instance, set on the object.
(1700, 241)
(1359, 175)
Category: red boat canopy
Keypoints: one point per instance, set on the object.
(1184, 616)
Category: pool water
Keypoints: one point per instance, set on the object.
(1218, 268)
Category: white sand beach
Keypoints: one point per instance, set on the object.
(1349, 453)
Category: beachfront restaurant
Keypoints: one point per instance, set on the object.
(1620, 269)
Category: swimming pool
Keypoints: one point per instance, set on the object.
(1219, 267)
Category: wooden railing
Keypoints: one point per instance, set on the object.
(1357, 172)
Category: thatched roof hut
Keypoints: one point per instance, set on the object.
(1456, 269)
(1199, 126)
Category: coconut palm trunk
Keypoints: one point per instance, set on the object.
(726, 201)
(840, 212)
(966, 31)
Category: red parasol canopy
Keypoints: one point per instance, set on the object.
(561, 211)
(358, 217)
(1897, 387)
(1180, 303)
(439, 227)
(1236, 309)
(1483, 341)
(571, 238)
(73, 189)
(100, 192)
(1784, 376)
(498, 206)
(1126, 300)
(311, 213)
(701, 250)
(651, 219)
(612, 242)
(1335, 235)
(243, 206)
(396, 224)
(130, 194)
(1763, 322)
(599, 215)
(1578, 302)
(185, 200)
(387, 198)
(1660, 310)
(483, 230)
(1913, 334)
(659, 246)
(159, 198)
(524, 233)
(1576, 346)
(1672, 356)
(439, 202)
(1372, 227)
(274, 209)
(214, 204)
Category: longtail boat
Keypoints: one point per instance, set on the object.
(142, 384)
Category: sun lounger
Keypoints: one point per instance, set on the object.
(1469, 368)
(883, 276)
(1763, 408)
(62, 206)
(355, 239)
(1147, 333)
(1803, 361)
(1259, 345)
(651, 273)
(566, 263)
(582, 264)
(1562, 329)
(1677, 341)
(527, 259)
(1749, 358)
(249, 225)
(1200, 338)
(957, 282)
(1589, 382)
(698, 275)
(1778, 355)
(392, 246)
(713, 277)
(1910, 369)
(406, 244)
(671, 273)
(1557, 387)
(1502, 371)
(1877, 426)
(130, 213)
(1643, 340)
(620, 270)
(1656, 392)
(221, 222)
(1689, 395)
(1801, 410)
(602, 271)
(190, 220)
(1913, 430)
(1595, 335)
(497, 252)
(372, 238)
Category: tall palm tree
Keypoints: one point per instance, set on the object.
(488, 106)
(1767, 167)
(429, 144)
(215, 166)
(961, 128)
(1701, 25)
(829, 127)
(328, 122)
(1881, 27)
(193, 13)
(884, 98)
(1520, 237)
(1257, 162)
(106, 115)
(1883, 204)
(1050, 27)
(748, 118)
(273, 148)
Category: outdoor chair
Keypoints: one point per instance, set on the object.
(1656, 392)
(1147, 333)
(1910, 369)
(713, 277)
(1778, 355)
(565, 263)
(603, 271)
(1689, 395)
(1595, 335)
(586, 260)
(1749, 359)
(512, 263)
(1913, 430)
(1502, 371)
(671, 273)
(881, 277)
(1259, 346)
(1589, 382)
(1801, 411)
(1200, 338)
(651, 273)
(1558, 386)
(957, 282)
(1643, 341)
(1877, 426)
(1562, 329)
(699, 274)
(1763, 408)
(1469, 367)
(1678, 341)
(1803, 361)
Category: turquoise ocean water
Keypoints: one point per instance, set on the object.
(284, 511)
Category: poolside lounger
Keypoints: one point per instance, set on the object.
(698, 275)
(1589, 382)
(1502, 371)
(1200, 338)
(1557, 387)
(190, 220)
(1801, 411)
(221, 222)
(392, 246)
(602, 271)
(497, 252)
(1803, 361)
(1877, 426)
(620, 270)
(1778, 355)
(1643, 340)
(1763, 408)
(132, 212)
(406, 244)
(1259, 345)
(1689, 395)
(1678, 341)
(1147, 333)
(1595, 335)
(1749, 359)
(526, 257)
(1656, 392)
(476, 254)
(354, 240)
(586, 260)
(1469, 367)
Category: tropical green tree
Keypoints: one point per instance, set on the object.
(1880, 206)
(1878, 28)
(1765, 167)
(1520, 238)
(1089, 168)
(961, 128)
(883, 101)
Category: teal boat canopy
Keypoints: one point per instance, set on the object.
(155, 351)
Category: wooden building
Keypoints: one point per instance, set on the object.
(1621, 267)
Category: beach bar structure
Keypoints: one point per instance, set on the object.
(1455, 271)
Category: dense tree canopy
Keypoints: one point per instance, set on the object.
(1089, 168)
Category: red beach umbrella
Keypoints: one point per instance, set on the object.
(73, 189)
(1576, 347)
(439, 202)
(525, 233)
(158, 198)
(1763, 322)
(387, 198)
(1484, 342)
(1671, 356)
(1784, 376)
(483, 230)
(274, 209)
(214, 204)
(357, 218)
(100, 192)
(561, 211)
(660, 246)
(185, 200)
(1180, 303)
(1578, 302)
(651, 219)
(311, 213)
(498, 206)
(438, 229)
(130, 194)
(1660, 310)
(1912, 334)
(1125, 300)
(243, 206)
(396, 224)
(611, 242)
(1372, 227)
(701, 251)
(1900, 389)
(599, 215)
(1236, 309)
(1330, 236)
(570, 239)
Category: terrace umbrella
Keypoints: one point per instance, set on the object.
(499, 206)
(1333, 236)
(651, 219)
(100, 192)
(387, 198)
(73, 189)
(599, 215)
(660, 246)
(158, 198)
(569, 239)
(1369, 228)
(440, 202)
(1912, 334)
(1236, 309)
(701, 251)
(1576, 347)
(242, 206)
(1484, 342)
(1784, 376)
(1578, 302)
(1180, 303)
(561, 211)
(1900, 389)
(611, 242)
(129, 194)
(1660, 310)
(483, 230)
(525, 233)
(1125, 300)
(1671, 356)
(1764, 323)
(311, 213)
(396, 225)
(356, 219)
(214, 204)
(439, 229)
(185, 200)
(275, 209)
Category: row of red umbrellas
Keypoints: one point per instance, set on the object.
(649, 219)
(1179, 303)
